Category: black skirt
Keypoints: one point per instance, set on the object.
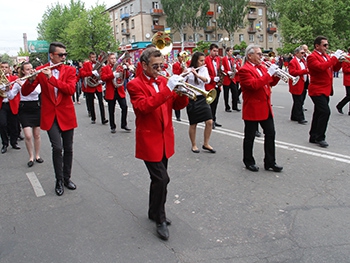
(29, 113)
(198, 110)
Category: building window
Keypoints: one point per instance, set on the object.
(219, 9)
(251, 38)
(207, 37)
(131, 8)
(132, 38)
(122, 26)
(123, 41)
(117, 29)
(260, 13)
(120, 13)
(132, 23)
(219, 36)
(270, 38)
(185, 37)
(241, 37)
(155, 5)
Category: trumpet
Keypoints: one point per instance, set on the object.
(190, 90)
(283, 75)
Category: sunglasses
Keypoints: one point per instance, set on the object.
(325, 45)
(61, 54)
(302, 53)
(156, 66)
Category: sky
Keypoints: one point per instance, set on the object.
(23, 16)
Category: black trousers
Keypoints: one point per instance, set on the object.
(62, 151)
(111, 110)
(346, 99)
(8, 125)
(90, 97)
(297, 113)
(214, 104)
(269, 142)
(158, 189)
(320, 118)
(232, 88)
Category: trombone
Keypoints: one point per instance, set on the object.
(283, 75)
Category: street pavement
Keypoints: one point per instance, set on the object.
(220, 211)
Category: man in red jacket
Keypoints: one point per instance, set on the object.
(321, 67)
(179, 67)
(8, 114)
(346, 83)
(297, 67)
(115, 90)
(256, 82)
(57, 112)
(153, 100)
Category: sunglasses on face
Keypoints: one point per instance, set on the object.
(61, 54)
(325, 45)
(156, 66)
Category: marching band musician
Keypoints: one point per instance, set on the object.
(297, 67)
(213, 63)
(321, 67)
(87, 71)
(179, 67)
(198, 110)
(153, 100)
(8, 114)
(29, 114)
(346, 83)
(229, 64)
(58, 116)
(256, 82)
(115, 90)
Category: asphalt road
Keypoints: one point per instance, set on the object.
(221, 212)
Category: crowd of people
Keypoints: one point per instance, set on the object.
(156, 91)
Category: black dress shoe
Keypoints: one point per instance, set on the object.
(4, 149)
(93, 122)
(162, 230)
(59, 187)
(217, 124)
(322, 143)
(257, 134)
(69, 184)
(340, 110)
(252, 167)
(104, 121)
(208, 149)
(20, 137)
(113, 131)
(16, 147)
(167, 221)
(30, 163)
(213, 127)
(126, 128)
(228, 110)
(302, 122)
(274, 167)
(39, 160)
(237, 110)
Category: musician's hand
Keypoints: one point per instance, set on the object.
(216, 79)
(272, 69)
(47, 72)
(95, 73)
(337, 53)
(117, 74)
(174, 81)
(125, 67)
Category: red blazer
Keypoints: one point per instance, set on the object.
(294, 69)
(107, 76)
(321, 73)
(62, 107)
(238, 66)
(86, 71)
(177, 68)
(346, 73)
(14, 103)
(225, 62)
(256, 92)
(154, 126)
(209, 63)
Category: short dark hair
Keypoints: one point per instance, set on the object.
(212, 46)
(54, 45)
(148, 53)
(318, 40)
(92, 53)
(228, 49)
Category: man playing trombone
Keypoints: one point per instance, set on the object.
(321, 67)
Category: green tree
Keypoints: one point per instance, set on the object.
(202, 46)
(197, 11)
(231, 16)
(22, 53)
(6, 58)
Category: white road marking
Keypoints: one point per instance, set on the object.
(38, 189)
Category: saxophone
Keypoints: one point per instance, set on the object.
(94, 81)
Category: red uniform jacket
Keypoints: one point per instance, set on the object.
(86, 71)
(256, 92)
(321, 73)
(14, 103)
(346, 73)
(295, 70)
(225, 62)
(238, 66)
(60, 107)
(177, 68)
(154, 126)
(212, 72)
(107, 76)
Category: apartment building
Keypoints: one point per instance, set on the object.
(135, 22)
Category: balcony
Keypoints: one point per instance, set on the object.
(271, 30)
(251, 30)
(209, 29)
(124, 16)
(252, 16)
(125, 32)
(156, 28)
(156, 12)
(210, 13)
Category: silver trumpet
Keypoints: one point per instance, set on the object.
(283, 75)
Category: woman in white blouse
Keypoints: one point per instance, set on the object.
(29, 115)
(198, 110)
